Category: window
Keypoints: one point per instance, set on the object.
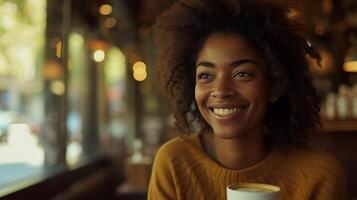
(22, 39)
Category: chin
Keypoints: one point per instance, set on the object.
(226, 134)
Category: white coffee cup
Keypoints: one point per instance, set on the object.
(253, 191)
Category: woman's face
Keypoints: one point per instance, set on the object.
(232, 88)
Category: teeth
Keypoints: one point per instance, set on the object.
(225, 111)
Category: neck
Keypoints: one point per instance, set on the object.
(237, 153)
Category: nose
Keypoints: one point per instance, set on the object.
(223, 88)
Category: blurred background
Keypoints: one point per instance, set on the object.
(81, 116)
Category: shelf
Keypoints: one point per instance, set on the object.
(337, 125)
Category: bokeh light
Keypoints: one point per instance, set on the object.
(105, 9)
(57, 87)
(98, 55)
(110, 22)
(139, 71)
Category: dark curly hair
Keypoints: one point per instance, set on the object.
(181, 31)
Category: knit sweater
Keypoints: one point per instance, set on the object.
(183, 170)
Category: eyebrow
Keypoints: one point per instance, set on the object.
(233, 64)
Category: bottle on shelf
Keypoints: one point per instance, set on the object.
(330, 106)
(342, 102)
(354, 101)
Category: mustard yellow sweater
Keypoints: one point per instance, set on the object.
(182, 170)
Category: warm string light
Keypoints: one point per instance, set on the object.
(350, 60)
(139, 71)
(110, 22)
(98, 55)
(57, 87)
(105, 9)
(350, 66)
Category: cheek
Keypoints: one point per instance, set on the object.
(200, 97)
(259, 94)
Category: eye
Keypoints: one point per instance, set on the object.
(204, 76)
(243, 75)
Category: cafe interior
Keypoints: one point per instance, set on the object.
(81, 116)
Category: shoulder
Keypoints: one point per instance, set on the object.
(321, 173)
(177, 148)
(168, 165)
(316, 157)
(314, 162)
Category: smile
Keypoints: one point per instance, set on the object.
(225, 111)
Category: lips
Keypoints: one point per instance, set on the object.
(226, 111)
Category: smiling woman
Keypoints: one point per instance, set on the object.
(239, 67)
(233, 97)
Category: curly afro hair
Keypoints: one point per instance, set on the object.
(181, 31)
